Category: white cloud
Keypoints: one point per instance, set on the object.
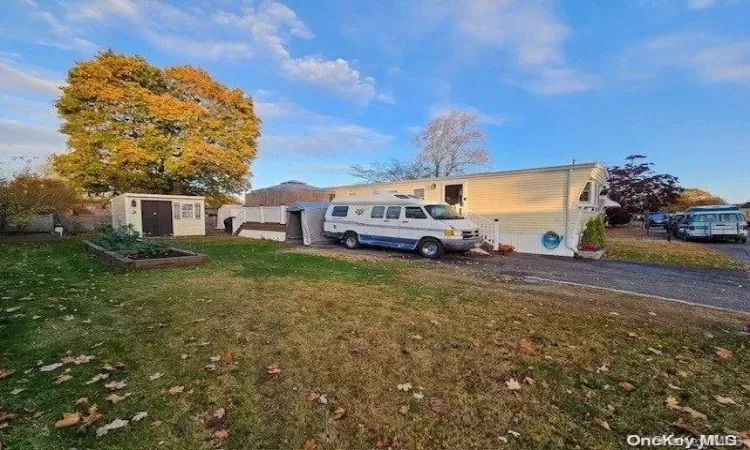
(386, 97)
(338, 76)
(13, 79)
(528, 31)
(105, 9)
(712, 59)
(207, 49)
(337, 139)
(701, 4)
(222, 34)
(29, 140)
(58, 34)
(482, 117)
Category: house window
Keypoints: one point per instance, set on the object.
(414, 212)
(419, 193)
(197, 210)
(393, 212)
(377, 212)
(187, 211)
(340, 211)
(587, 192)
(176, 210)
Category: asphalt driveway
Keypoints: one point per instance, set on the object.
(736, 251)
(717, 288)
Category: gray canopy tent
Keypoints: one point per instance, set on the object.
(304, 220)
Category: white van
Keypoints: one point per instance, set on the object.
(399, 221)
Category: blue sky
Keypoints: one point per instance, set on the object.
(348, 82)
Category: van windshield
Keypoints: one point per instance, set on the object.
(442, 212)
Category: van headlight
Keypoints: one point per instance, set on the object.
(451, 232)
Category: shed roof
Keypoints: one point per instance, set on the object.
(302, 206)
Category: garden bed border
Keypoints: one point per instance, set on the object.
(118, 259)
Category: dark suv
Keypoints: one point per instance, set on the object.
(657, 220)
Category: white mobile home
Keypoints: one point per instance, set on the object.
(160, 215)
(539, 210)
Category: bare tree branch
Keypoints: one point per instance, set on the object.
(451, 143)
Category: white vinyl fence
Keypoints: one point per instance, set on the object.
(260, 214)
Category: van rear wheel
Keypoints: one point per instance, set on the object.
(430, 248)
(351, 240)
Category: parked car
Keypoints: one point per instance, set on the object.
(673, 223)
(399, 221)
(656, 220)
(705, 224)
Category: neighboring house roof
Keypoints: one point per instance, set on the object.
(291, 185)
(482, 174)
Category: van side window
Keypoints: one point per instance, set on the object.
(728, 218)
(393, 212)
(377, 212)
(340, 211)
(414, 212)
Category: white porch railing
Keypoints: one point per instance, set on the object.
(489, 229)
(262, 214)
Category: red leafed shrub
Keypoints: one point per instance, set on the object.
(506, 249)
(587, 247)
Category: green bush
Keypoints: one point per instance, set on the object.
(594, 233)
(125, 238)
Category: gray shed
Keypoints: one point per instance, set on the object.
(304, 222)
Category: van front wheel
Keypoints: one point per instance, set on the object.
(351, 241)
(430, 248)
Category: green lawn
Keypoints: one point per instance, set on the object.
(353, 332)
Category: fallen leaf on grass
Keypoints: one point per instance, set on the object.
(526, 347)
(309, 444)
(515, 434)
(339, 414)
(114, 398)
(215, 358)
(51, 367)
(627, 386)
(17, 391)
(725, 400)
(676, 388)
(77, 360)
(273, 370)
(681, 425)
(4, 373)
(723, 353)
(359, 351)
(604, 424)
(82, 400)
(115, 424)
(406, 387)
(528, 380)
(219, 436)
(418, 395)
(438, 405)
(312, 396)
(210, 367)
(115, 385)
(174, 390)
(68, 419)
(92, 417)
(98, 377)
(404, 409)
(673, 404)
(227, 357)
(382, 443)
(655, 351)
(62, 378)
(746, 387)
(139, 416)
(513, 384)
(155, 376)
(323, 400)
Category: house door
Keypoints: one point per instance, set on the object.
(156, 218)
(453, 194)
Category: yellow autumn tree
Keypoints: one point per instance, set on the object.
(133, 127)
(695, 197)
